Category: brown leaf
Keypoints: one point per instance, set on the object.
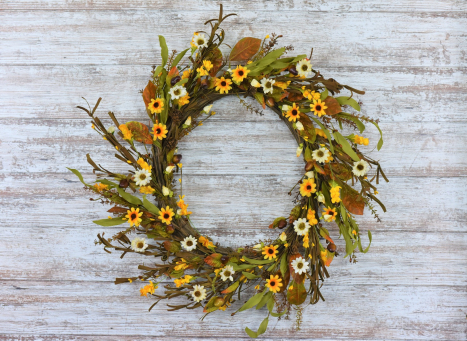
(285, 280)
(214, 260)
(297, 295)
(333, 106)
(309, 129)
(140, 132)
(215, 56)
(149, 93)
(173, 247)
(338, 170)
(295, 276)
(117, 209)
(294, 97)
(245, 49)
(352, 201)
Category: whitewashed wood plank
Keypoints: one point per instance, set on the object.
(393, 93)
(128, 37)
(238, 6)
(350, 312)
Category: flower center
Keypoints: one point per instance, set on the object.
(200, 41)
(304, 67)
(272, 283)
(197, 293)
(189, 243)
(294, 112)
(268, 85)
(223, 83)
(142, 176)
(320, 153)
(166, 215)
(133, 216)
(240, 73)
(156, 104)
(270, 251)
(227, 273)
(177, 92)
(299, 265)
(301, 226)
(158, 130)
(360, 167)
(318, 108)
(308, 187)
(140, 245)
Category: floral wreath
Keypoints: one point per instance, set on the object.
(284, 271)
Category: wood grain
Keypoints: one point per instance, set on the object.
(410, 58)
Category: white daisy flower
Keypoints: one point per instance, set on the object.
(139, 244)
(310, 175)
(320, 155)
(189, 243)
(255, 83)
(200, 40)
(165, 191)
(111, 129)
(207, 108)
(303, 67)
(301, 226)
(142, 177)
(177, 91)
(188, 121)
(198, 293)
(321, 198)
(299, 265)
(267, 84)
(227, 273)
(299, 125)
(360, 168)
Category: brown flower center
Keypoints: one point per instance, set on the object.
(133, 216)
(299, 265)
(189, 243)
(318, 107)
(272, 283)
(294, 112)
(268, 85)
(240, 73)
(158, 130)
(142, 176)
(166, 215)
(301, 226)
(308, 187)
(177, 92)
(224, 83)
(197, 293)
(140, 245)
(304, 67)
(200, 41)
(360, 167)
(227, 273)
(156, 105)
(320, 153)
(271, 251)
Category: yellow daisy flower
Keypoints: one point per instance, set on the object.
(159, 130)
(318, 107)
(156, 106)
(270, 252)
(239, 74)
(293, 113)
(307, 187)
(274, 283)
(183, 100)
(166, 215)
(133, 216)
(329, 214)
(223, 85)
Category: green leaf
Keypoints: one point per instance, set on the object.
(298, 293)
(252, 301)
(150, 206)
(360, 125)
(232, 288)
(299, 58)
(346, 147)
(111, 222)
(249, 275)
(158, 71)
(380, 142)
(324, 94)
(251, 333)
(238, 267)
(263, 326)
(271, 304)
(344, 100)
(165, 112)
(128, 197)
(164, 50)
(179, 57)
(326, 132)
(284, 264)
(78, 174)
(257, 261)
(360, 243)
(278, 314)
(264, 300)
(183, 81)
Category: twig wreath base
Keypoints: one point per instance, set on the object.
(285, 271)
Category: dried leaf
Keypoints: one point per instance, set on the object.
(172, 246)
(352, 201)
(294, 97)
(173, 72)
(214, 260)
(117, 209)
(140, 132)
(297, 295)
(333, 106)
(245, 49)
(215, 56)
(149, 93)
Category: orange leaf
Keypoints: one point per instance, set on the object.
(149, 93)
(173, 72)
(298, 294)
(245, 49)
(140, 132)
(215, 56)
(214, 260)
(296, 277)
(325, 234)
(353, 201)
(116, 209)
(294, 97)
(333, 106)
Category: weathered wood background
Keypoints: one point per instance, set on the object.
(410, 56)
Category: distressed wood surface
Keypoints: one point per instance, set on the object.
(410, 57)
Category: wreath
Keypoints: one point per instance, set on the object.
(284, 271)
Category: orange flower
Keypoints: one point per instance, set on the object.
(159, 130)
(321, 133)
(100, 187)
(311, 216)
(156, 106)
(127, 135)
(239, 74)
(144, 165)
(166, 215)
(206, 242)
(270, 252)
(307, 187)
(223, 85)
(293, 113)
(148, 289)
(146, 190)
(183, 100)
(318, 107)
(274, 283)
(133, 216)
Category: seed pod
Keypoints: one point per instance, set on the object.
(170, 229)
(219, 302)
(332, 247)
(124, 183)
(282, 224)
(293, 70)
(309, 166)
(204, 84)
(175, 80)
(270, 102)
(224, 259)
(177, 158)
